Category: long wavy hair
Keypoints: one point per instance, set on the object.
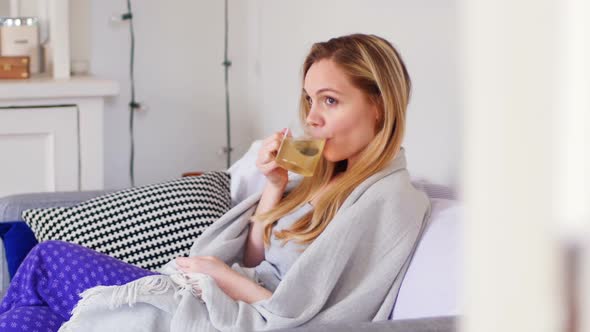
(374, 66)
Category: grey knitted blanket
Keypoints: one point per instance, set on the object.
(351, 273)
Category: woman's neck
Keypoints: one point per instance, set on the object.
(339, 170)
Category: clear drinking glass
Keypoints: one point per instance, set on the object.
(299, 151)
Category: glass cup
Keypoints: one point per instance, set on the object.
(299, 152)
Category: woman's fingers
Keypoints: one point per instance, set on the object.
(184, 260)
(273, 145)
(190, 261)
(269, 167)
(266, 156)
(276, 136)
(273, 148)
(273, 142)
(268, 151)
(201, 264)
(270, 156)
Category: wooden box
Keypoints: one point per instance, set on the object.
(14, 67)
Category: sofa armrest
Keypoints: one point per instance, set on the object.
(11, 207)
(431, 324)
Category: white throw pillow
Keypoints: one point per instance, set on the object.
(432, 284)
(245, 177)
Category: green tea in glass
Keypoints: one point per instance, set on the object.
(299, 152)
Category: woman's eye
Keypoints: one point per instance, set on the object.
(330, 101)
(308, 98)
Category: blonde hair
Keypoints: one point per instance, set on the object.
(374, 66)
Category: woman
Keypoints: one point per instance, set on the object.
(335, 247)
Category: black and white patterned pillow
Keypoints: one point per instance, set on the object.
(146, 226)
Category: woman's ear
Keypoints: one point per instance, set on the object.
(378, 113)
(377, 107)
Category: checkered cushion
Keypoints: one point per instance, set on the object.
(146, 226)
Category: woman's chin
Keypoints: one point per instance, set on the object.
(331, 157)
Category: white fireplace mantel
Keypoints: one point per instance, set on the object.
(51, 134)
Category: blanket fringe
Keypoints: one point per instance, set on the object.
(193, 282)
(128, 293)
(87, 299)
(124, 294)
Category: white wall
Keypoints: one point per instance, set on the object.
(80, 35)
(180, 78)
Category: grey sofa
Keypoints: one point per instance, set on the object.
(11, 208)
(428, 298)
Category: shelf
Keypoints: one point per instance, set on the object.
(43, 87)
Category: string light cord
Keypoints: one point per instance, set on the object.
(226, 64)
(133, 104)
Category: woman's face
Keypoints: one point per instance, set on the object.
(339, 112)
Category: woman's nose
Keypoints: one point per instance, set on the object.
(314, 119)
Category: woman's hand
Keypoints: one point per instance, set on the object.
(275, 174)
(232, 283)
(209, 265)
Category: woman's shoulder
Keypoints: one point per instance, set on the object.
(399, 202)
(392, 189)
(397, 186)
(391, 203)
